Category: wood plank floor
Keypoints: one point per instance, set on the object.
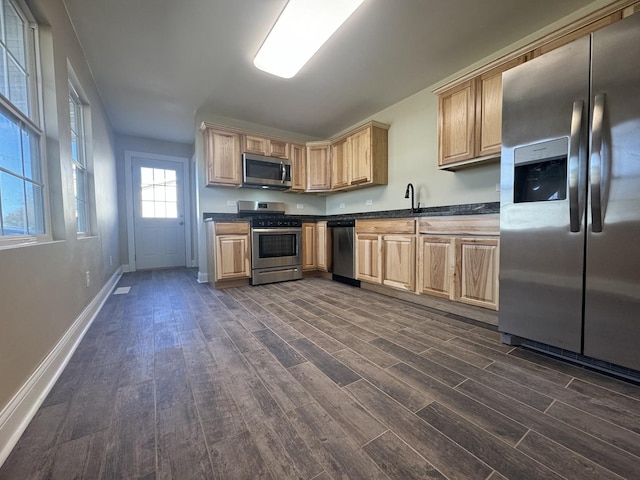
(316, 380)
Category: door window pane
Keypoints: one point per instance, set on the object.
(158, 193)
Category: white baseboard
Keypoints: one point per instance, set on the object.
(17, 414)
(203, 277)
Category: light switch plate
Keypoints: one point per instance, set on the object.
(369, 202)
(300, 205)
(342, 205)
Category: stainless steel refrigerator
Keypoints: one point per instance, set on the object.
(570, 198)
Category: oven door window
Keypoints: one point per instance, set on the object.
(277, 245)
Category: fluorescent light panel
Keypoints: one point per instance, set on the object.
(301, 29)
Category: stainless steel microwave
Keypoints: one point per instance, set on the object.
(259, 171)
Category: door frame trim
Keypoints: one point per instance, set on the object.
(186, 193)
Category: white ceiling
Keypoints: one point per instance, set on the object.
(156, 62)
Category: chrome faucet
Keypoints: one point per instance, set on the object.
(406, 195)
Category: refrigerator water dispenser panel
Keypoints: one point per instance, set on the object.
(541, 172)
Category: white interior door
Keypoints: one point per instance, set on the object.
(158, 211)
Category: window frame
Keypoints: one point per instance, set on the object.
(30, 122)
(81, 164)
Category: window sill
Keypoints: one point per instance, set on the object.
(23, 243)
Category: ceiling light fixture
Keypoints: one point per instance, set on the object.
(301, 29)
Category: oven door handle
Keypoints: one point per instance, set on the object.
(276, 230)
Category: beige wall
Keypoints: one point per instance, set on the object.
(42, 287)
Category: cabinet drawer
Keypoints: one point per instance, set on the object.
(386, 226)
(460, 225)
(232, 228)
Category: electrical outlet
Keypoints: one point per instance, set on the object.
(88, 274)
(497, 187)
(111, 260)
(342, 205)
(231, 203)
(300, 205)
(369, 202)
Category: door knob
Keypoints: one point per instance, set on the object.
(181, 223)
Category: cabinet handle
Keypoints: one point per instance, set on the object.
(596, 163)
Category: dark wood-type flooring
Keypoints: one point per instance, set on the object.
(316, 380)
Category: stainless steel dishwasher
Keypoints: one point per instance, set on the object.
(343, 255)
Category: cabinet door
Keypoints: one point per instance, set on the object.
(309, 247)
(368, 258)
(579, 33)
(298, 167)
(436, 266)
(361, 166)
(488, 134)
(340, 160)
(477, 271)
(278, 148)
(232, 257)
(399, 267)
(222, 157)
(255, 144)
(456, 123)
(323, 258)
(318, 168)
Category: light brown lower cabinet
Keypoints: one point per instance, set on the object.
(399, 259)
(231, 255)
(477, 267)
(436, 266)
(309, 247)
(323, 240)
(368, 257)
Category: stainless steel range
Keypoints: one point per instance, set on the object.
(276, 242)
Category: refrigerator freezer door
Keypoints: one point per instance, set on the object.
(612, 302)
(543, 177)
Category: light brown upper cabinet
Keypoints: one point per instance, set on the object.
(579, 33)
(222, 157)
(298, 157)
(318, 167)
(369, 155)
(340, 160)
(360, 157)
(265, 146)
(470, 119)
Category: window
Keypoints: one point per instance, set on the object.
(158, 189)
(22, 211)
(79, 160)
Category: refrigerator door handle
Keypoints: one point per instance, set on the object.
(596, 163)
(574, 165)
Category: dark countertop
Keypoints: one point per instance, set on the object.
(465, 209)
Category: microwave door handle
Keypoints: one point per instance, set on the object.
(574, 165)
(596, 164)
(282, 172)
